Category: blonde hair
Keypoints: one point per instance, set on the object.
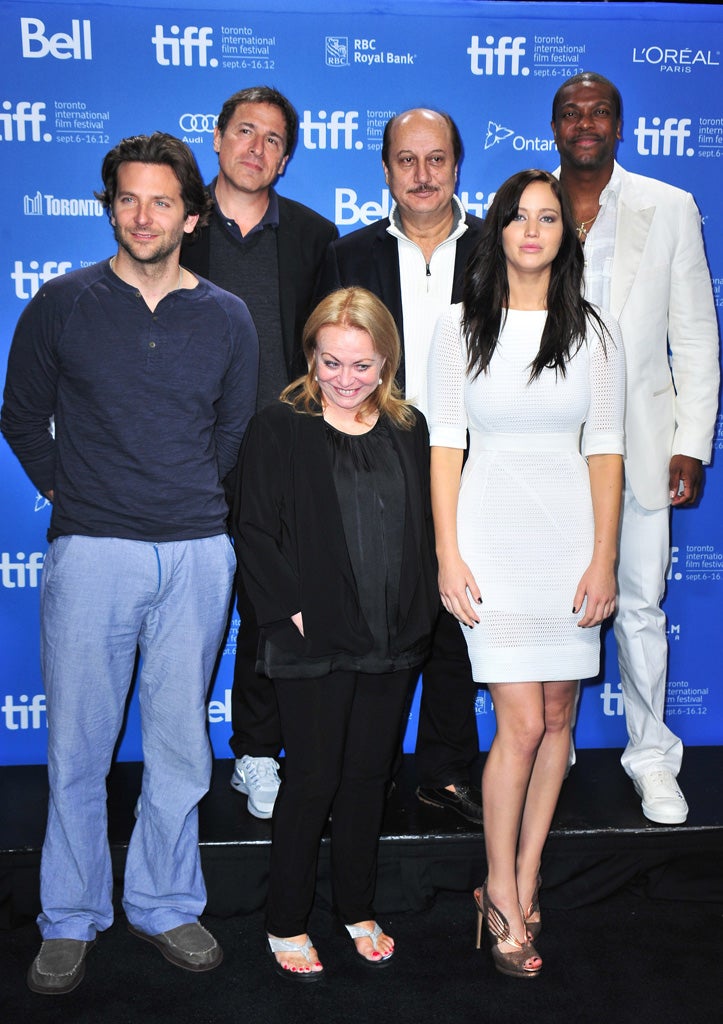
(360, 309)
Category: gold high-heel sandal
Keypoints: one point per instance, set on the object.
(498, 929)
(534, 927)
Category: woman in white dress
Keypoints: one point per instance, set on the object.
(527, 535)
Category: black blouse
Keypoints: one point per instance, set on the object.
(369, 484)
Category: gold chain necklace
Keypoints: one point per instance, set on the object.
(584, 226)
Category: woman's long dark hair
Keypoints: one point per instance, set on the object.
(486, 290)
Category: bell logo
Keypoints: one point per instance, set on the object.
(482, 58)
(657, 141)
(348, 210)
(63, 46)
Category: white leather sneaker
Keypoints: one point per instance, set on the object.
(663, 801)
(258, 778)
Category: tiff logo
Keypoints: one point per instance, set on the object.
(673, 573)
(612, 702)
(26, 714)
(21, 573)
(14, 123)
(657, 141)
(63, 46)
(194, 41)
(340, 126)
(482, 58)
(28, 282)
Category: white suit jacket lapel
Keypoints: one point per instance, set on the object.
(630, 238)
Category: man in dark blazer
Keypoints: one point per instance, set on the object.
(267, 250)
(414, 261)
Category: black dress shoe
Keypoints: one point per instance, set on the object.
(466, 800)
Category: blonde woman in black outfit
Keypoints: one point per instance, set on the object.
(334, 535)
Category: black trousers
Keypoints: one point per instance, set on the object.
(340, 736)
(447, 740)
(254, 710)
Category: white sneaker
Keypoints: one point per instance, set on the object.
(662, 799)
(258, 778)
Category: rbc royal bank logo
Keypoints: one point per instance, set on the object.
(28, 282)
(497, 59)
(664, 138)
(336, 132)
(190, 48)
(73, 45)
(336, 51)
(22, 122)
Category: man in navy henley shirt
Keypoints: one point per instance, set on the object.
(149, 375)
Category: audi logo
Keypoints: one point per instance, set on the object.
(197, 122)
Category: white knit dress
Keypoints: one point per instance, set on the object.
(524, 519)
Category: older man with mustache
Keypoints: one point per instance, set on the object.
(414, 261)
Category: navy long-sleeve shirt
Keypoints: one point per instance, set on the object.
(149, 407)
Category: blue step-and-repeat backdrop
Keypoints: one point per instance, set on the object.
(77, 77)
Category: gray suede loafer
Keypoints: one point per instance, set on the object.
(59, 967)
(189, 946)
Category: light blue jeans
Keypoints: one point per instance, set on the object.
(102, 599)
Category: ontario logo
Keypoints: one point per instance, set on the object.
(497, 133)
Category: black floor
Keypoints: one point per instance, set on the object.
(627, 959)
(599, 841)
(633, 916)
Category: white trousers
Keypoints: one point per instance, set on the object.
(639, 627)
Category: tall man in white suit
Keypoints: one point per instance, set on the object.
(645, 263)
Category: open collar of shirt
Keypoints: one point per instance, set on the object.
(459, 224)
(270, 218)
